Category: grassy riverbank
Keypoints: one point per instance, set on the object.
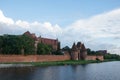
(68, 62)
(53, 63)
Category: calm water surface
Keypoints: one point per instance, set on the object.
(96, 71)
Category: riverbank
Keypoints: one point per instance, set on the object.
(53, 63)
(68, 62)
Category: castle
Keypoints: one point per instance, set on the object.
(52, 42)
(78, 52)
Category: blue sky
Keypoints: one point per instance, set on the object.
(62, 12)
(96, 23)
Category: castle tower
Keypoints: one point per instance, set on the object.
(79, 50)
(74, 52)
(83, 52)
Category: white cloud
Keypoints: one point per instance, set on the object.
(23, 24)
(4, 19)
(97, 32)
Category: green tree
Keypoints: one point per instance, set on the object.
(112, 56)
(1, 43)
(43, 49)
(27, 43)
(11, 44)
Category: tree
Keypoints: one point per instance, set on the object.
(1, 43)
(27, 43)
(66, 48)
(58, 48)
(112, 56)
(11, 44)
(88, 51)
(43, 49)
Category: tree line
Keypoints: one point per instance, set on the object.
(105, 55)
(22, 44)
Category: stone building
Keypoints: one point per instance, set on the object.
(78, 52)
(52, 42)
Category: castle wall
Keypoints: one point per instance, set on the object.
(94, 58)
(33, 58)
(41, 58)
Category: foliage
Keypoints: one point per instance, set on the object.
(1, 43)
(43, 49)
(66, 48)
(112, 56)
(27, 43)
(22, 44)
(58, 48)
(90, 52)
(58, 52)
(12, 44)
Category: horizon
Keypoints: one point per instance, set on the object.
(94, 23)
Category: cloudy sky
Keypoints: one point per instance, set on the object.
(96, 23)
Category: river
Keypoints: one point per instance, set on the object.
(94, 71)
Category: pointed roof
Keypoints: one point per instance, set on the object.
(74, 47)
(83, 47)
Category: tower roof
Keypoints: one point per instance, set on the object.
(83, 47)
(74, 47)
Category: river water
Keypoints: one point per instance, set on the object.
(95, 71)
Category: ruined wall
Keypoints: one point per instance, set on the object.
(94, 58)
(33, 58)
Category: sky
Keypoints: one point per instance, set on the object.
(96, 23)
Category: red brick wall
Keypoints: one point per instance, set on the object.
(40, 58)
(33, 58)
(52, 42)
(94, 58)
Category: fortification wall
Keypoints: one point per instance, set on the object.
(40, 58)
(33, 58)
(95, 57)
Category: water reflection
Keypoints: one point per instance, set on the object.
(101, 71)
(16, 73)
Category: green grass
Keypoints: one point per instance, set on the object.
(69, 62)
(54, 63)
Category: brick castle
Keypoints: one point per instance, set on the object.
(77, 52)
